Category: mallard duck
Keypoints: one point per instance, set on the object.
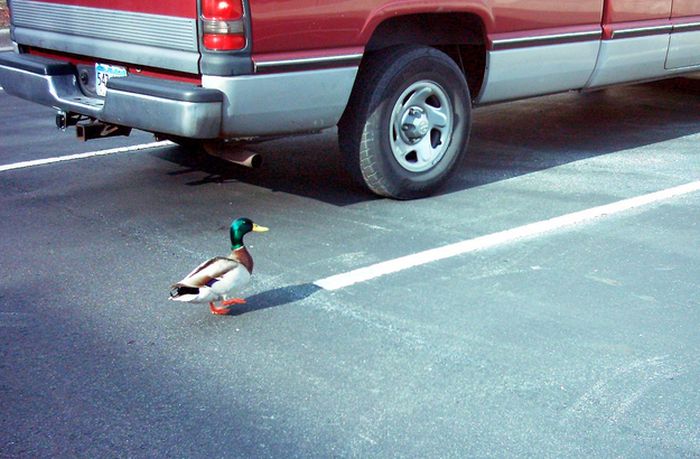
(218, 278)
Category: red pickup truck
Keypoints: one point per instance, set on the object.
(398, 77)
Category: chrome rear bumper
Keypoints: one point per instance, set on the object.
(149, 104)
(223, 107)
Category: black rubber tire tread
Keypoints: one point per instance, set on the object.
(381, 79)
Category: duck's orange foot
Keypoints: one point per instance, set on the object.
(232, 301)
(218, 311)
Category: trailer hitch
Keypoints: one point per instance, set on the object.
(65, 120)
(99, 130)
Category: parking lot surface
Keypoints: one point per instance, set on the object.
(579, 340)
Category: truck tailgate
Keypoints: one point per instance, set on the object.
(151, 34)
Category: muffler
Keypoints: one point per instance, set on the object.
(99, 130)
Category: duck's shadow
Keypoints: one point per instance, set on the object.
(277, 297)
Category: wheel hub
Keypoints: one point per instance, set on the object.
(414, 125)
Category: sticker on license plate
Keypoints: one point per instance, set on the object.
(103, 72)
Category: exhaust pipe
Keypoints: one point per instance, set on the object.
(234, 154)
(98, 130)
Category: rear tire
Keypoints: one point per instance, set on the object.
(407, 124)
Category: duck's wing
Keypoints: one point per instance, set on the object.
(208, 272)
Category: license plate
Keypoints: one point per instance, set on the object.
(103, 72)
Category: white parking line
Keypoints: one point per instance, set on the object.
(346, 279)
(90, 154)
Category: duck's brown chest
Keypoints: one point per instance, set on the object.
(243, 257)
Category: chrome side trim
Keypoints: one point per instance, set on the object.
(534, 71)
(688, 27)
(642, 31)
(308, 63)
(281, 103)
(148, 56)
(542, 40)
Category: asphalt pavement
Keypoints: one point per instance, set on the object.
(581, 341)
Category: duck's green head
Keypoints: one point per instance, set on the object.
(240, 228)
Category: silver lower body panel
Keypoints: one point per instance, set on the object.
(283, 102)
(630, 59)
(533, 71)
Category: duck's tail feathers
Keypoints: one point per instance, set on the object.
(179, 292)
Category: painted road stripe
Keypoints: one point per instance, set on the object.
(342, 280)
(90, 154)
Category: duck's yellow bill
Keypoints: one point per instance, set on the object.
(259, 229)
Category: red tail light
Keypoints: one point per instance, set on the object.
(223, 10)
(222, 24)
(222, 42)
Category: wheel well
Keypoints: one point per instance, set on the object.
(460, 36)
